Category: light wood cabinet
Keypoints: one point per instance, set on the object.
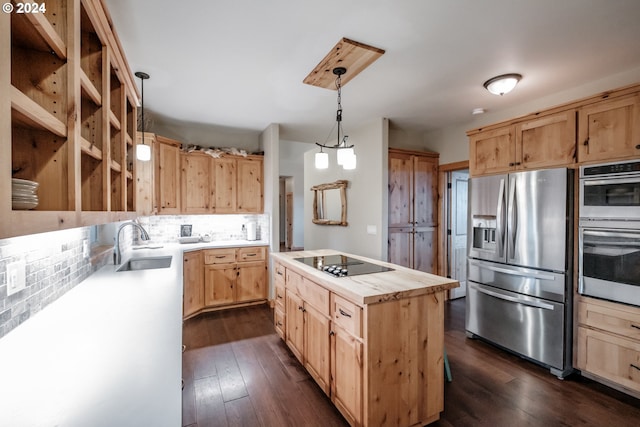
(384, 359)
(541, 142)
(231, 277)
(413, 201)
(168, 175)
(193, 277)
(68, 119)
(197, 183)
(279, 318)
(608, 344)
(225, 177)
(308, 326)
(145, 200)
(250, 198)
(609, 129)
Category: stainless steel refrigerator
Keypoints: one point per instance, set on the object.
(520, 245)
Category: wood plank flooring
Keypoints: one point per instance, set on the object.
(237, 372)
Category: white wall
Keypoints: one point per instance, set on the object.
(452, 142)
(269, 144)
(292, 166)
(366, 195)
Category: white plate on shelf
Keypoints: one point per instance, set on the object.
(23, 205)
(22, 193)
(24, 183)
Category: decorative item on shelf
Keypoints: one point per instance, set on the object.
(345, 153)
(143, 151)
(502, 84)
(23, 194)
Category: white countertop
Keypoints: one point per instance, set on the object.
(107, 353)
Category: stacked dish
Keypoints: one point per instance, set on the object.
(24, 194)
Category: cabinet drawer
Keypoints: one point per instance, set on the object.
(252, 254)
(279, 321)
(610, 357)
(610, 317)
(347, 315)
(279, 294)
(220, 256)
(315, 295)
(278, 272)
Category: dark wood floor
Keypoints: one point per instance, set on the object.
(237, 372)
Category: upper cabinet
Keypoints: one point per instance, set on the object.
(609, 129)
(70, 114)
(195, 182)
(601, 128)
(541, 142)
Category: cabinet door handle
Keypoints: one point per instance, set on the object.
(634, 366)
(279, 273)
(511, 164)
(331, 333)
(344, 313)
(586, 142)
(638, 147)
(279, 296)
(251, 254)
(220, 256)
(635, 326)
(279, 323)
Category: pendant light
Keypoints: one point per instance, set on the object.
(345, 154)
(143, 151)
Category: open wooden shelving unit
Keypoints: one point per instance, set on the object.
(69, 109)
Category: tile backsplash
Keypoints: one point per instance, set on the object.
(55, 263)
(166, 228)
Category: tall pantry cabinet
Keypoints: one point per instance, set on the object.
(413, 214)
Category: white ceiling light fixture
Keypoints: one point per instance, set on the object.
(143, 151)
(502, 84)
(345, 153)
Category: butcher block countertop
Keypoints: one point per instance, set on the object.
(371, 288)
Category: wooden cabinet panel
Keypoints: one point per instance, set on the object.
(294, 324)
(315, 295)
(610, 129)
(316, 346)
(250, 188)
(219, 281)
(251, 283)
(346, 375)
(168, 175)
(610, 357)
(347, 315)
(257, 253)
(400, 194)
(279, 321)
(146, 203)
(279, 294)
(492, 151)
(425, 191)
(413, 205)
(611, 317)
(225, 181)
(425, 244)
(196, 182)
(400, 248)
(193, 277)
(547, 141)
(220, 256)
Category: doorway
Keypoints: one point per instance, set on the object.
(455, 197)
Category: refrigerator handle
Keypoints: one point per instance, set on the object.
(536, 304)
(500, 223)
(512, 221)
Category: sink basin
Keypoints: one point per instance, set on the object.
(146, 263)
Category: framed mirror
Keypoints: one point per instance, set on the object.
(330, 203)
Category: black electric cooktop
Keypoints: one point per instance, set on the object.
(342, 265)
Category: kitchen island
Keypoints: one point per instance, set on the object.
(373, 342)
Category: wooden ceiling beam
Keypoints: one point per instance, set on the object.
(352, 55)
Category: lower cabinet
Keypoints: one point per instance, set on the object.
(331, 355)
(609, 343)
(225, 277)
(193, 292)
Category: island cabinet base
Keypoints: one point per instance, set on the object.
(380, 358)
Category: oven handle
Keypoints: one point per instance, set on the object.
(512, 299)
(588, 182)
(531, 274)
(629, 234)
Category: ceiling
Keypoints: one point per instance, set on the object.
(240, 64)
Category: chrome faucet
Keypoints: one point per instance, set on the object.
(117, 256)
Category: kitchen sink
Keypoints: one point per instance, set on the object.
(146, 263)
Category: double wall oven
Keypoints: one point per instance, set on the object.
(609, 232)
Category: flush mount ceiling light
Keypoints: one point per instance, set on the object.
(143, 151)
(345, 154)
(500, 85)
